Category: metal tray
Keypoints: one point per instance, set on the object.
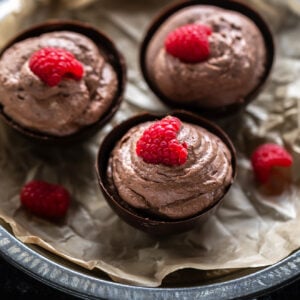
(69, 278)
(63, 275)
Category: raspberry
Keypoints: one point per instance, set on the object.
(267, 156)
(45, 199)
(158, 144)
(53, 64)
(189, 43)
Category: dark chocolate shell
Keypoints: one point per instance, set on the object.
(113, 56)
(150, 224)
(226, 4)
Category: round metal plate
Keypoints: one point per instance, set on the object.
(89, 287)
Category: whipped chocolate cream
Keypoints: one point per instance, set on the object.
(172, 191)
(62, 109)
(234, 68)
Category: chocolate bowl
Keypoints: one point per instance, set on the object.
(231, 106)
(111, 55)
(149, 223)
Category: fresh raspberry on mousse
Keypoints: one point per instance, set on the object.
(159, 144)
(189, 43)
(51, 65)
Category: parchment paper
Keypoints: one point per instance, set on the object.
(251, 229)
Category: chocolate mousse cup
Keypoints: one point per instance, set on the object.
(226, 107)
(144, 220)
(111, 56)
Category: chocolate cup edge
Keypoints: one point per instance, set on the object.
(115, 58)
(236, 5)
(155, 226)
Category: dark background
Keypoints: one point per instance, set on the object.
(14, 284)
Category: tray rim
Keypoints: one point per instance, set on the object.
(82, 285)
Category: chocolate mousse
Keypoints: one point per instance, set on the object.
(172, 191)
(70, 105)
(235, 66)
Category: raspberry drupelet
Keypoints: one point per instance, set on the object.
(45, 199)
(51, 65)
(189, 43)
(158, 143)
(267, 156)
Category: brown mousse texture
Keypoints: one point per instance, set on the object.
(172, 192)
(62, 109)
(234, 68)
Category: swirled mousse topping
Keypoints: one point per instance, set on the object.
(229, 61)
(77, 92)
(172, 190)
